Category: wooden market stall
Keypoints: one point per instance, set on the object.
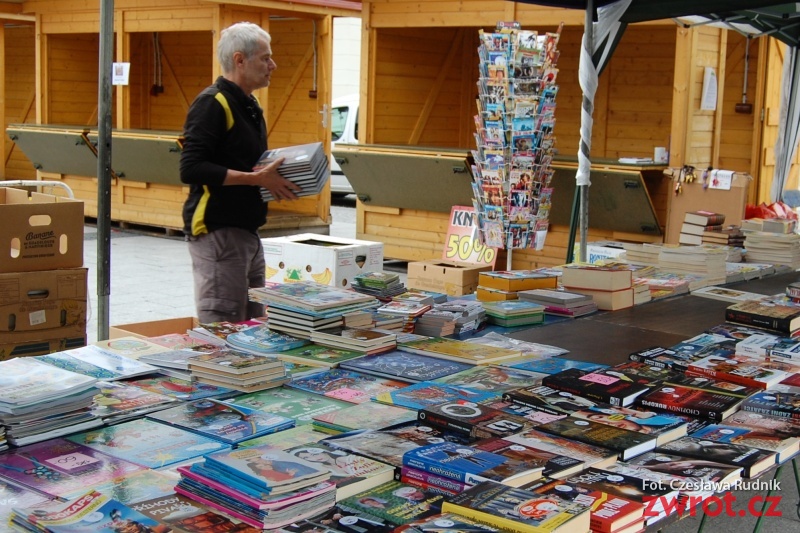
(418, 89)
(50, 55)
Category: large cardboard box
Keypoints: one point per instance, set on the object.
(40, 311)
(449, 277)
(39, 231)
(154, 328)
(321, 258)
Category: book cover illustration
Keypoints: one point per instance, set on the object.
(137, 486)
(182, 342)
(470, 465)
(440, 523)
(407, 366)
(92, 511)
(663, 426)
(116, 399)
(516, 509)
(59, 467)
(460, 350)
(426, 393)
(554, 365)
(395, 502)
(782, 426)
(287, 437)
(268, 468)
(349, 386)
(752, 460)
(779, 404)
(381, 446)
(491, 378)
(693, 402)
(260, 339)
(298, 404)
(715, 386)
(472, 419)
(129, 347)
(626, 485)
(765, 314)
(364, 416)
(616, 389)
(422, 434)
(738, 369)
(26, 380)
(311, 295)
(226, 422)
(549, 400)
(97, 363)
(21, 497)
(683, 467)
(627, 443)
(148, 443)
(181, 389)
(763, 440)
(227, 361)
(337, 520)
(317, 355)
(185, 515)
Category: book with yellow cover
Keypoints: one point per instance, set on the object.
(455, 350)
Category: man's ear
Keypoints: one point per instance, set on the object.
(238, 58)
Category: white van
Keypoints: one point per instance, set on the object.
(344, 129)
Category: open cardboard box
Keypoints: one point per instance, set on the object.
(450, 277)
(153, 328)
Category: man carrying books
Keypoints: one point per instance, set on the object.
(225, 135)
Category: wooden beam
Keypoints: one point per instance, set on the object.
(721, 69)
(26, 109)
(174, 80)
(292, 85)
(336, 8)
(4, 144)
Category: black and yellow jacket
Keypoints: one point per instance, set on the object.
(224, 129)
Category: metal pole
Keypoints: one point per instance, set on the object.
(104, 167)
(588, 106)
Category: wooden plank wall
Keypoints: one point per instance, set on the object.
(739, 130)
(72, 89)
(20, 92)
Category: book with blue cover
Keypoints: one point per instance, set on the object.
(95, 362)
(354, 387)
(226, 422)
(554, 365)
(426, 393)
(407, 366)
(261, 340)
(148, 443)
(470, 465)
(298, 404)
(181, 389)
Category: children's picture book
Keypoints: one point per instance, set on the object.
(395, 502)
(137, 486)
(473, 420)
(228, 361)
(225, 422)
(686, 401)
(130, 347)
(26, 381)
(752, 460)
(353, 387)
(97, 363)
(285, 401)
(368, 415)
(148, 443)
(91, 510)
(261, 340)
(117, 401)
(471, 465)
(763, 440)
(287, 437)
(554, 365)
(217, 332)
(518, 509)
(309, 295)
(183, 514)
(269, 468)
(777, 404)
(59, 467)
(22, 498)
(336, 520)
(462, 351)
(350, 472)
(425, 393)
(599, 385)
(317, 355)
(406, 366)
(491, 378)
(378, 445)
(181, 389)
(627, 443)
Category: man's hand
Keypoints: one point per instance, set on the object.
(269, 178)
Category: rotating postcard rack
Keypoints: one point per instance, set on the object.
(514, 136)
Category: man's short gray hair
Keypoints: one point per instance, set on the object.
(241, 37)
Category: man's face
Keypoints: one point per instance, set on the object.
(257, 69)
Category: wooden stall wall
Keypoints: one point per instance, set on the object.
(20, 96)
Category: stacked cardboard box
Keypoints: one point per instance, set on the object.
(42, 282)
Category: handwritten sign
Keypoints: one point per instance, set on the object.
(462, 243)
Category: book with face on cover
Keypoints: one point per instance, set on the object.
(687, 401)
(763, 440)
(753, 461)
(739, 369)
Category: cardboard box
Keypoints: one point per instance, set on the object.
(153, 328)
(450, 277)
(39, 347)
(42, 310)
(321, 258)
(39, 231)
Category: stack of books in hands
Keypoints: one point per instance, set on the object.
(237, 370)
(696, 223)
(262, 486)
(39, 401)
(305, 165)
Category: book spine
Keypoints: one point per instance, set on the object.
(421, 466)
(771, 411)
(499, 522)
(230, 512)
(433, 489)
(225, 489)
(427, 478)
(725, 376)
(441, 422)
(752, 319)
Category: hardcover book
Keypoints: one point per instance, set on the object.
(663, 427)
(353, 387)
(261, 340)
(298, 404)
(406, 366)
(148, 443)
(553, 465)
(738, 369)
(626, 443)
(470, 465)
(363, 416)
(693, 402)
(763, 440)
(778, 426)
(317, 355)
(59, 468)
(699, 470)
(704, 218)
(420, 395)
(491, 378)
(784, 319)
(752, 460)
(225, 422)
(554, 365)
(598, 385)
(379, 445)
(778, 404)
(519, 510)
(593, 277)
(462, 351)
(181, 389)
(395, 502)
(473, 420)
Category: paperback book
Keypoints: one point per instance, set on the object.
(553, 465)
(778, 404)
(317, 355)
(353, 387)
(473, 420)
(462, 351)
(381, 446)
(395, 502)
(590, 454)
(298, 404)
(663, 427)
(184, 515)
(694, 402)
(181, 389)
(427, 393)
(94, 362)
(598, 385)
(261, 340)
(626, 442)
(491, 378)
(368, 415)
(752, 460)
(784, 319)
(405, 366)
(763, 440)
(693, 471)
(738, 369)
(549, 400)
(117, 401)
(554, 365)
(225, 422)
(226, 362)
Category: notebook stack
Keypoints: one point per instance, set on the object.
(305, 165)
(238, 370)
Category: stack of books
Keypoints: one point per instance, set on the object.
(470, 315)
(262, 486)
(382, 285)
(514, 313)
(100, 363)
(461, 351)
(237, 370)
(504, 285)
(773, 248)
(216, 332)
(642, 254)
(770, 225)
(119, 401)
(409, 309)
(260, 340)
(561, 303)
(305, 165)
(696, 223)
(610, 286)
(39, 401)
(363, 341)
(704, 261)
(731, 235)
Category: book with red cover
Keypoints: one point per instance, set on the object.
(693, 402)
(738, 369)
